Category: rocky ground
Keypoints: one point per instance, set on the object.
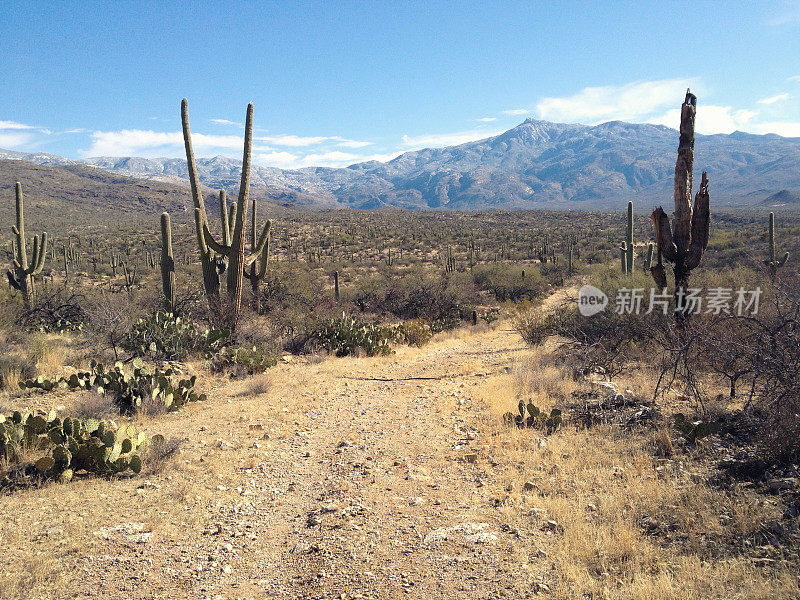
(388, 477)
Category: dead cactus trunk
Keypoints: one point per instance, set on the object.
(684, 242)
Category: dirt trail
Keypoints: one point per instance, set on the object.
(349, 478)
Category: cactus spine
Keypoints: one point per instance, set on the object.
(772, 262)
(167, 263)
(22, 276)
(234, 250)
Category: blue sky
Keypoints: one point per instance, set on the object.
(339, 82)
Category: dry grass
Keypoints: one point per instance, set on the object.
(599, 485)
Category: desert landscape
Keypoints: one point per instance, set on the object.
(554, 360)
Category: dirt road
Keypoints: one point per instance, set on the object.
(349, 478)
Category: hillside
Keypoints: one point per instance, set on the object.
(537, 164)
(783, 198)
(82, 194)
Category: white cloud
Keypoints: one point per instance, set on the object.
(287, 160)
(435, 140)
(710, 119)
(345, 143)
(516, 111)
(291, 140)
(148, 143)
(794, 78)
(297, 141)
(784, 128)
(225, 122)
(282, 160)
(486, 119)
(13, 140)
(627, 102)
(774, 99)
(14, 125)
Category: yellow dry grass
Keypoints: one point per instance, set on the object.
(598, 484)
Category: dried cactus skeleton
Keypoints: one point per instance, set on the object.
(684, 241)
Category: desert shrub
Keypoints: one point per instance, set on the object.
(345, 336)
(159, 452)
(415, 332)
(429, 296)
(760, 352)
(288, 287)
(244, 360)
(111, 317)
(55, 312)
(606, 342)
(15, 367)
(164, 336)
(511, 282)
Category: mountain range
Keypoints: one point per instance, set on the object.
(537, 164)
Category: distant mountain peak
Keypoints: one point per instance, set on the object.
(537, 163)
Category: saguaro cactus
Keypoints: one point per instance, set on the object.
(648, 259)
(626, 249)
(772, 262)
(684, 243)
(336, 285)
(167, 263)
(234, 249)
(258, 268)
(22, 276)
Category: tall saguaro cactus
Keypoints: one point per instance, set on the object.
(167, 263)
(626, 249)
(233, 250)
(772, 262)
(22, 276)
(684, 242)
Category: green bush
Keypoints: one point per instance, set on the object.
(507, 282)
(248, 359)
(415, 332)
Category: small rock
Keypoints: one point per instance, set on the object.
(301, 547)
(782, 483)
(528, 486)
(471, 458)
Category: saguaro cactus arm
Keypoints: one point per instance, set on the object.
(701, 225)
(260, 248)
